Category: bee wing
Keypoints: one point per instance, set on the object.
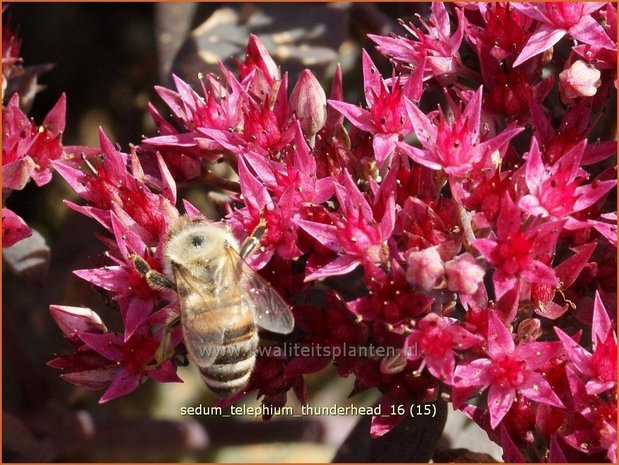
(203, 348)
(202, 340)
(270, 310)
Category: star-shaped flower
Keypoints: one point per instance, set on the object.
(385, 117)
(556, 20)
(453, 146)
(509, 369)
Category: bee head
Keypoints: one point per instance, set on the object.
(193, 242)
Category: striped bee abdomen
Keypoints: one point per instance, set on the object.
(235, 361)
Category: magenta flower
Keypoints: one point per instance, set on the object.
(438, 46)
(573, 129)
(103, 359)
(599, 367)
(502, 33)
(514, 251)
(279, 194)
(385, 117)
(390, 298)
(27, 153)
(119, 185)
(557, 19)
(509, 370)
(453, 146)
(218, 109)
(121, 200)
(556, 191)
(594, 429)
(427, 232)
(22, 139)
(434, 340)
(353, 232)
(601, 57)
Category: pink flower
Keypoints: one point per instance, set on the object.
(122, 201)
(599, 56)
(502, 33)
(514, 250)
(599, 367)
(103, 359)
(438, 46)
(27, 149)
(390, 298)
(219, 109)
(594, 427)
(385, 117)
(556, 191)
(119, 185)
(434, 340)
(512, 90)
(456, 146)
(573, 129)
(555, 20)
(279, 193)
(353, 231)
(509, 369)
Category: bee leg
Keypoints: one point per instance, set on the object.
(155, 280)
(253, 240)
(166, 351)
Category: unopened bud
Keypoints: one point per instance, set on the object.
(309, 103)
(258, 56)
(579, 80)
(425, 268)
(464, 274)
(529, 329)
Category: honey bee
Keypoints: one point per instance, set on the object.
(221, 299)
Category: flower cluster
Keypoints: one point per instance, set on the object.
(470, 230)
(27, 148)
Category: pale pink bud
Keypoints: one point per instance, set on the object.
(425, 268)
(464, 274)
(73, 320)
(529, 329)
(579, 80)
(309, 103)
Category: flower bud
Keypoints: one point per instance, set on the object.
(529, 329)
(425, 268)
(579, 80)
(257, 56)
(309, 103)
(464, 274)
(73, 320)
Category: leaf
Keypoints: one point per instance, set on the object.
(29, 258)
(172, 23)
(297, 37)
(413, 440)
